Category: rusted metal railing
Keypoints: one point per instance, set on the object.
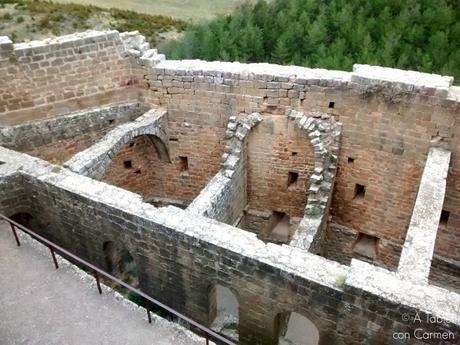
(54, 248)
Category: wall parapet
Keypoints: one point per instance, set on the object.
(364, 78)
(27, 136)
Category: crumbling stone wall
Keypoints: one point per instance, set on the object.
(137, 168)
(225, 196)
(279, 151)
(45, 78)
(371, 102)
(94, 161)
(390, 118)
(180, 256)
(59, 138)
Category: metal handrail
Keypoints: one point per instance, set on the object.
(209, 334)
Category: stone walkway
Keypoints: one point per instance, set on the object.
(41, 305)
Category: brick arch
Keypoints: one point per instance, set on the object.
(324, 134)
(221, 300)
(95, 160)
(120, 262)
(312, 323)
(137, 167)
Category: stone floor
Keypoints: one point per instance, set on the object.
(41, 305)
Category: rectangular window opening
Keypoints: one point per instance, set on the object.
(183, 161)
(294, 153)
(360, 191)
(128, 164)
(331, 105)
(366, 246)
(292, 178)
(351, 160)
(444, 217)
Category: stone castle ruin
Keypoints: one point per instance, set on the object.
(250, 197)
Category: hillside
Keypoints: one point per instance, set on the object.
(195, 10)
(422, 35)
(29, 20)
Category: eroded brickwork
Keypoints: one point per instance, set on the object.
(280, 163)
(60, 138)
(180, 257)
(137, 168)
(45, 78)
(390, 121)
(195, 153)
(387, 131)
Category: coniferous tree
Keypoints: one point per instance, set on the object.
(411, 34)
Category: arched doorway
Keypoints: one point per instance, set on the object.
(25, 219)
(224, 311)
(295, 329)
(120, 263)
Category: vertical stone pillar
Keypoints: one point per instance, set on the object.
(415, 262)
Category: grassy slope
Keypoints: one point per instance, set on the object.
(194, 10)
(29, 20)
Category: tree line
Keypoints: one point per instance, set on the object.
(422, 35)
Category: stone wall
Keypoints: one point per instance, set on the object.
(59, 138)
(225, 197)
(180, 256)
(276, 149)
(93, 162)
(390, 119)
(56, 76)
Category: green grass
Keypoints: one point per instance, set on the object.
(194, 10)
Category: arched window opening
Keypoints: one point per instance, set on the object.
(295, 329)
(25, 219)
(224, 311)
(120, 263)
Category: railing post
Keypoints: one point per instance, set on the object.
(96, 275)
(15, 234)
(54, 257)
(148, 315)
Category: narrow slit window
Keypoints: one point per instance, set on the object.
(292, 178)
(360, 191)
(183, 161)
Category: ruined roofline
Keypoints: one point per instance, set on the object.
(363, 77)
